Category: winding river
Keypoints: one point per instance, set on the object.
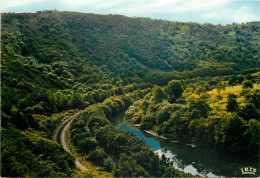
(191, 158)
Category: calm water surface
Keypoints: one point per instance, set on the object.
(191, 158)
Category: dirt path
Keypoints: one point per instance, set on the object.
(60, 137)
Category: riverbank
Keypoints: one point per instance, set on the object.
(155, 134)
(189, 158)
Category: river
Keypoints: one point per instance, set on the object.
(191, 158)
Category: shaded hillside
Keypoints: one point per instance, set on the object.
(125, 45)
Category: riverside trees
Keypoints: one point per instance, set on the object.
(193, 120)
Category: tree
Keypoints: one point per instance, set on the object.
(255, 98)
(174, 90)
(247, 84)
(163, 114)
(232, 80)
(229, 132)
(220, 86)
(200, 90)
(77, 101)
(128, 167)
(179, 127)
(232, 105)
(97, 156)
(148, 122)
(173, 172)
(144, 105)
(252, 136)
(159, 94)
(202, 106)
(86, 145)
(108, 165)
(248, 112)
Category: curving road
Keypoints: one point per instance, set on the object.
(60, 137)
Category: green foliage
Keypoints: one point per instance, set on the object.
(159, 94)
(248, 112)
(174, 90)
(128, 167)
(55, 61)
(86, 144)
(247, 84)
(202, 106)
(232, 105)
(202, 131)
(254, 98)
(148, 122)
(229, 134)
(98, 157)
(193, 120)
(30, 154)
(252, 135)
(163, 113)
(77, 101)
(172, 172)
(235, 79)
(115, 142)
(178, 127)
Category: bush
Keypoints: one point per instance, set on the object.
(248, 112)
(202, 106)
(232, 105)
(86, 145)
(108, 165)
(97, 156)
(173, 172)
(247, 84)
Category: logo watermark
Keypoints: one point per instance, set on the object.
(248, 170)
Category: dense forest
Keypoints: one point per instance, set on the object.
(188, 82)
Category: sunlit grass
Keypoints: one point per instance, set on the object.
(218, 98)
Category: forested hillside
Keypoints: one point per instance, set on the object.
(54, 64)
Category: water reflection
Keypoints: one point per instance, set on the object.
(148, 141)
(208, 161)
(194, 159)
